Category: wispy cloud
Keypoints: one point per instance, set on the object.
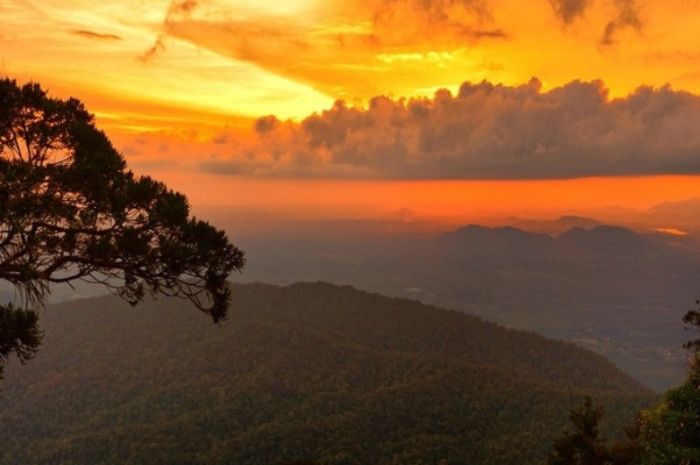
(396, 21)
(628, 16)
(95, 35)
(177, 10)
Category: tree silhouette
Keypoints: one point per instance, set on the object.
(693, 318)
(670, 432)
(583, 445)
(71, 210)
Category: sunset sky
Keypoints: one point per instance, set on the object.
(444, 107)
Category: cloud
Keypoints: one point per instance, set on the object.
(397, 22)
(490, 34)
(178, 10)
(569, 10)
(627, 17)
(347, 48)
(486, 131)
(95, 35)
(157, 47)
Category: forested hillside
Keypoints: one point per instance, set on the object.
(615, 291)
(309, 371)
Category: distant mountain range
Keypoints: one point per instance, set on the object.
(305, 372)
(575, 244)
(554, 227)
(619, 292)
(677, 209)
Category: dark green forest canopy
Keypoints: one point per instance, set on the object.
(308, 372)
(71, 210)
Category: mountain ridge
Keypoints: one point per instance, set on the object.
(306, 371)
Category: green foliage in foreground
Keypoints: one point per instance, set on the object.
(668, 434)
(309, 372)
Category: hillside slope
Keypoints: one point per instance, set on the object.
(308, 371)
(616, 291)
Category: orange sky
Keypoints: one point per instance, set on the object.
(167, 78)
(222, 58)
(442, 203)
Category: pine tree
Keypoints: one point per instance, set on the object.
(583, 445)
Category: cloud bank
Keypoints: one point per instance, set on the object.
(486, 131)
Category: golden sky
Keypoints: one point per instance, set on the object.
(179, 85)
(152, 63)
